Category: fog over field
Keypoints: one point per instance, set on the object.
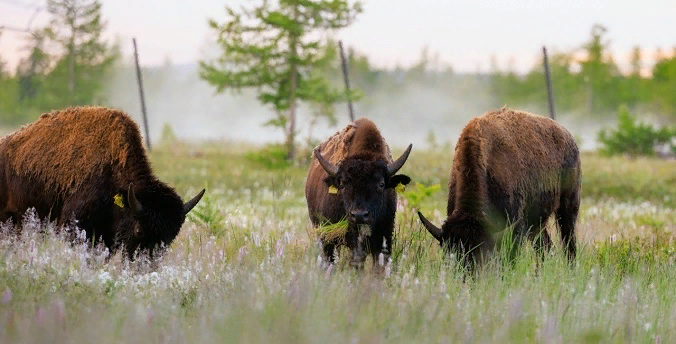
(176, 95)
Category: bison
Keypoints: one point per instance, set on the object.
(89, 164)
(352, 177)
(510, 168)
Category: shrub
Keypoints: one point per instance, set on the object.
(632, 137)
(271, 156)
(207, 215)
(168, 135)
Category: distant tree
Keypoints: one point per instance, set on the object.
(418, 71)
(362, 73)
(635, 90)
(31, 70)
(3, 63)
(599, 71)
(85, 58)
(7, 84)
(664, 78)
(273, 48)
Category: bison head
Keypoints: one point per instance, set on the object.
(463, 235)
(362, 184)
(153, 217)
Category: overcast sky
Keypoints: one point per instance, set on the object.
(464, 33)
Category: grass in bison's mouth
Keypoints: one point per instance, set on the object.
(333, 231)
(249, 270)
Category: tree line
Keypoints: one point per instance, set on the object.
(594, 84)
(286, 52)
(66, 63)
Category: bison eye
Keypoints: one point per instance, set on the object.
(381, 185)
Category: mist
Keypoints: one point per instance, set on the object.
(176, 95)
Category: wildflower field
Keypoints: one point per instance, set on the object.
(246, 268)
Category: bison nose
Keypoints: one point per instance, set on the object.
(359, 216)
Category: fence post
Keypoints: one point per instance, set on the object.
(139, 79)
(347, 81)
(550, 91)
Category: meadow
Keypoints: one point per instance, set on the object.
(246, 267)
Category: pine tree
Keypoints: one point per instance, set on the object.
(599, 70)
(32, 69)
(76, 27)
(269, 47)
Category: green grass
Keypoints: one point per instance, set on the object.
(245, 268)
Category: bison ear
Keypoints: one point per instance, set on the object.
(134, 204)
(434, 230)
(331, 181)
(193, 202)
(398, 179)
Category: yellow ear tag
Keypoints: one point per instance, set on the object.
(118, 200)
(333, 189)
(400, 187)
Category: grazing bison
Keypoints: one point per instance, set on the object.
(352, 176)
(89, 164)
(510, 168)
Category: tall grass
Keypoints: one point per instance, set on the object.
(255, 274)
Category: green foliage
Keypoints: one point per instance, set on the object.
(431, 140)
(419, 193)
(632, 137)
(77, 28)
(593, 85)
(67, 63)
(168, 136)
(207, 215)
(626, 255)
(271, 156)
(269, 48)
(664, 75)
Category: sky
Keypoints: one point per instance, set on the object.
(464, 33)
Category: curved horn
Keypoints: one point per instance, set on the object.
(434, 230)
(134, 204)
(395, 166)
(330, 168)
(193, 202)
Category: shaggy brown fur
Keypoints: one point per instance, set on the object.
(511, 168)
(366, 193)
(339, 145)
(76, 143)
(75, 163)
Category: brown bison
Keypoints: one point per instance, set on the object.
(352, 176)
(510, 168)
(89, 164)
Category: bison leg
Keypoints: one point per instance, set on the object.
(380, 245)
(566, 216)
(542, 242)
(328, 249)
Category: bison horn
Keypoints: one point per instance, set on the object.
(434, 230)
(395, 166)
(134, 204)
(192, 203)
(330, 168)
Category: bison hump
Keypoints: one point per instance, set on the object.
(65, 148)
(357, 136)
